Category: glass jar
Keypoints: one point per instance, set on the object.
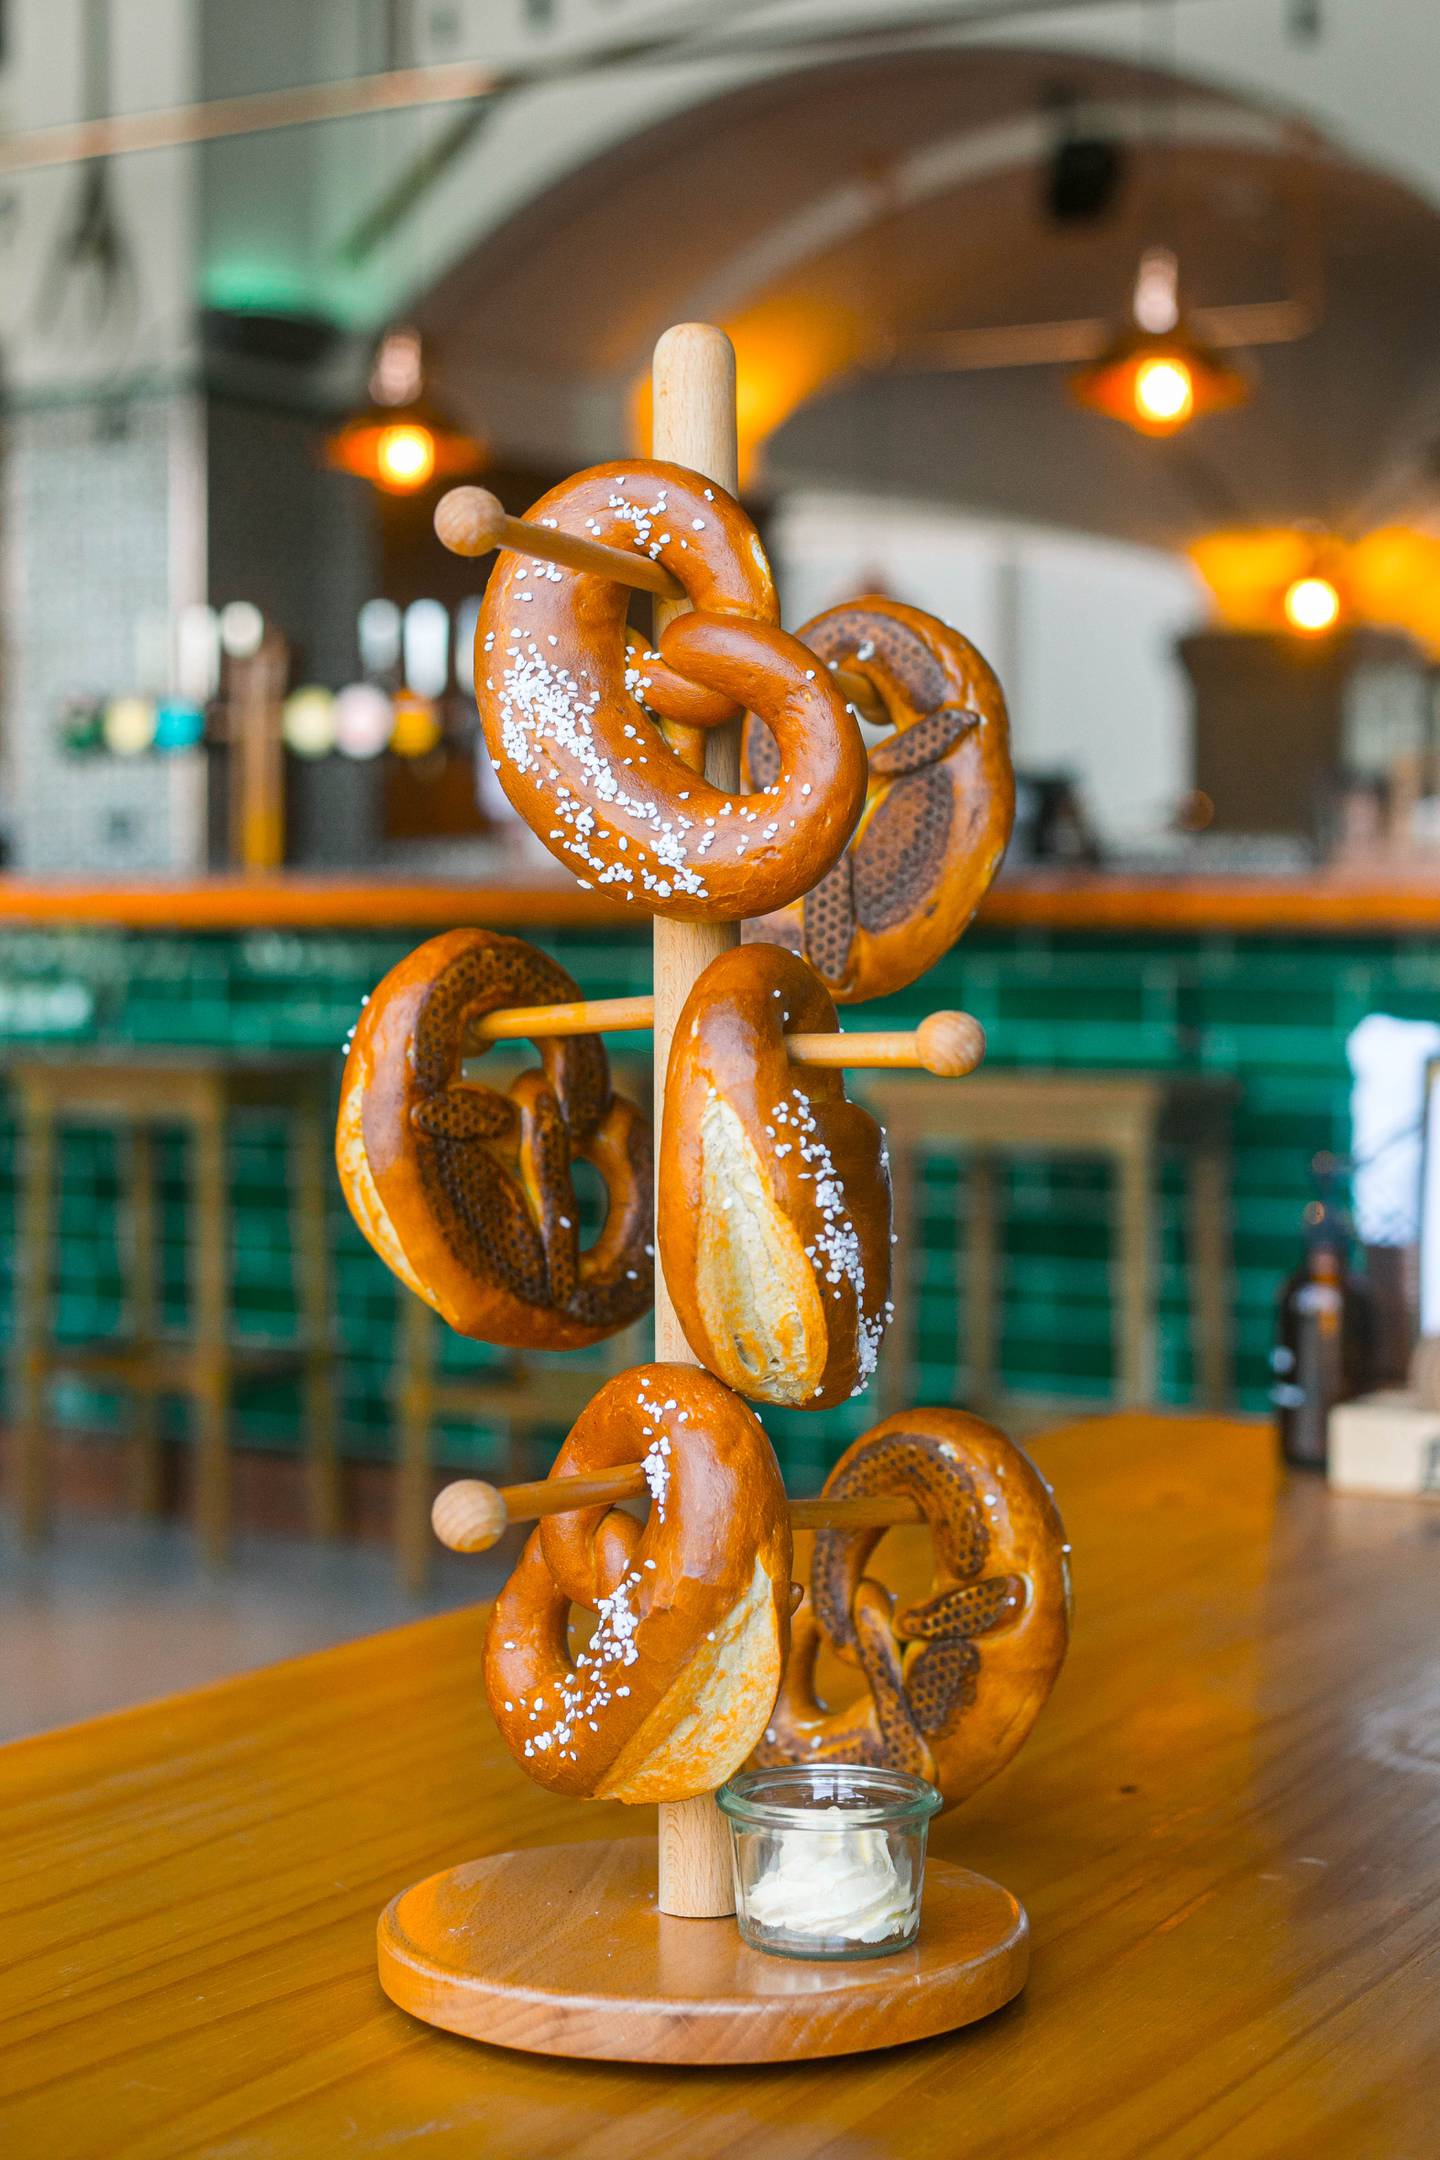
(829, 1858)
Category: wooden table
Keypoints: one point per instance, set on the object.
(1226, 1829)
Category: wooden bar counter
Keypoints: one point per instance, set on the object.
(1319, 904)
(1226, 1830)
(1256, 982)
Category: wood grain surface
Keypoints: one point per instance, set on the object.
(1226, 1832)
(560, 1950)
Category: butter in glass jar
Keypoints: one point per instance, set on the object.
(829, 1858)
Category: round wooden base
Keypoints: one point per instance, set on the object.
(560, 1950)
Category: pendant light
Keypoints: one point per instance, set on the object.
(400, 443)
(1155, 374)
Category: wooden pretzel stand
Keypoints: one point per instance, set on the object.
(624, 1949)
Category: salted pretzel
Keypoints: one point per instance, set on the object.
(938, 809)
(774, 1191)
(954, 1680)
(465, 1192)
(678, 1680)
(568, 709)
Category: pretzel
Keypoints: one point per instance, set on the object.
(567, 710)
(938, 809)
(465, 1192)
(954, 1680)
(774, 1193)
(676, 1683)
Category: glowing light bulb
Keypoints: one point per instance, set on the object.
(1164, 390)
(405, 456)
(1312, 604)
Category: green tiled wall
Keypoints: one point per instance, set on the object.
(1271, 1012)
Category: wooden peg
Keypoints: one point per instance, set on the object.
(948, 1044)
(471, 521)
(470, 1516)
(587, 1016)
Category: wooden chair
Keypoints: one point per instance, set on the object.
(524, 1395)
(138, 1094)
(1126, 1119)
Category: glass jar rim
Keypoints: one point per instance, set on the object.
(891, 1796)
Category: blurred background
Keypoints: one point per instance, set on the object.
(1107, 332)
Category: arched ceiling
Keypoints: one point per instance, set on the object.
(840, 217)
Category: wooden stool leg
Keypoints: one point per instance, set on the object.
(899, 1356)
(982, 1263)
(413, 1539)
(312, 1266)
(210, 1216)
(1211, 1274)
(33, 1316)
(147, 1467)
(1135, 1253)
(523, 1382)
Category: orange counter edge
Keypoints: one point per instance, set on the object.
(1055, 901)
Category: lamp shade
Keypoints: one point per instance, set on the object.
(1157, 382)
(403, 448)
(400, 442)
(1311, 582)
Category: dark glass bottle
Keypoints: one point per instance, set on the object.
(1325, 1334)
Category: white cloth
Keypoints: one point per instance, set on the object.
(1388, 1060)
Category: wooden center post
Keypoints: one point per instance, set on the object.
(693, 383)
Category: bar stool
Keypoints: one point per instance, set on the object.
(137, 1094)
(1124, 1118)
(521, 1394)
